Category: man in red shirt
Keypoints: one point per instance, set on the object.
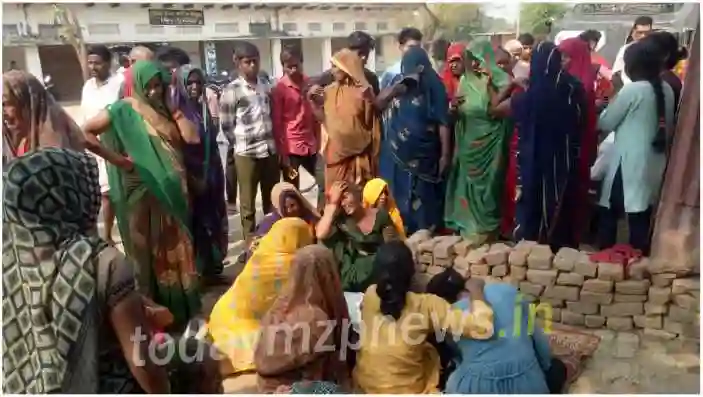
(295, 128)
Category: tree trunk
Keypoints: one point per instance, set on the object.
(70, 31)
(431, 31)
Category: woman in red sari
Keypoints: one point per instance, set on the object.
(453, 68)
(576, 60)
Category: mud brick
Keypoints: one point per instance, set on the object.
(445, 246)
(582, 307)
(465, 272)
(672, 326)
(570, 279)
(638, 269)
(556, 314)
(651, 322)
(659, 295)
(651, 308)
(596, 297)
(611, 271)
(462, 247)
(622, 298)
(434, 270)
(525, 245)
(687, 302)
(597, 285)
(695, 294)
(444, 262)
(492, 280)
(594, 321)
(622, 309)
(571, 318)
(518, 258)
(460, 262)
(553, 302)
(542, 277)
(499, 270)
(509, 279)
(426, 258)
(663, 279)
(518, 272)
(682, 315)
(428, 245)
(540, 257)
(657, 266)
(529, 298)
(419, 236)
(477, 255)
(420, 267)
(420, 281)
(562, 292)
(497, 254)
(479, 270)
(684, 285)
(528, 288)
(632, 287)
(585, 267)
(566, 259)
(657, 334)
(619, 323)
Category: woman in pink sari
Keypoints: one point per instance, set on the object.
(576, 60)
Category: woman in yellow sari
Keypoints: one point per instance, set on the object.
(377, 195)
(353, 125)
(236, 318)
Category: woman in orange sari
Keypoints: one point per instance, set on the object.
(353, 126)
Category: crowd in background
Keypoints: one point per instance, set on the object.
(489, 143)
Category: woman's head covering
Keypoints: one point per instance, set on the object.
(430, 85)
(49, 124)
(482, 50)
(580, 63)
(142, 73)
(51, 199)
(350, 63)
(451, 82)
(281, 191)
(196, 111)
(313, 286)
(513, 46)
(372, 191)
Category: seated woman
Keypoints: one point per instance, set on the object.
(51, 200)
(394, 355)
(513, 363)
(353, 234)
(377, 195)
(311, 300)
(287, 202)
(234, 323)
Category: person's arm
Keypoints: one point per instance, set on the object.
(228, 113)
(96, 126)
(188, 130)
(499, 106)
(386, 95)
(617, 109)
(476, 324)
(325, 227)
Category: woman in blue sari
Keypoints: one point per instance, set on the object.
(415, 150)
(205, 176)
(550, 117)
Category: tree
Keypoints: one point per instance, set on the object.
(70, 32)
(536, 17)
(450, 20)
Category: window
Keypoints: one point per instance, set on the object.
(339, 27)
(382, 26)
(10, 30)
(360, 26)
(96, 29)
(315, 27)
(289, 27)
(379, 46)
(231, 27)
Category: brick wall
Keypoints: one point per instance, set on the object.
(660, 299)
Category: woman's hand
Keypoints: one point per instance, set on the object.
(336, 192)
(443, 164)
(456, 102)
(126, 164)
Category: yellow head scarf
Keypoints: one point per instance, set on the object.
(234, 321)
(372, 191)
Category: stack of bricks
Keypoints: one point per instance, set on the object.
(652, 297)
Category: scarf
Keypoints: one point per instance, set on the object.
(451, 82)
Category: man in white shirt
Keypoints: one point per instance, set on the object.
(101, 90)
(641, 28)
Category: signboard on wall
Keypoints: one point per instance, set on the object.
(176, 17)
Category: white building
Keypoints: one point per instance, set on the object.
(31, 39)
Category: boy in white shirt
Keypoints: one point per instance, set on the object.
(101, 90)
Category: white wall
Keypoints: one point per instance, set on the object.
(130, 23)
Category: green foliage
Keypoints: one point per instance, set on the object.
(534, 17)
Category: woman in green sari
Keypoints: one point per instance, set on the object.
(477, 174)
(142, 140)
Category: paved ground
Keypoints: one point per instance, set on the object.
(624, 362)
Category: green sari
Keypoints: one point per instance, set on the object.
(151, 202)
(356, 251)
(474, 186)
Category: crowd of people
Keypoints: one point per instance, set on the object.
(492, 142)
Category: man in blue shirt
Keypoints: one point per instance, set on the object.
(408, 37)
